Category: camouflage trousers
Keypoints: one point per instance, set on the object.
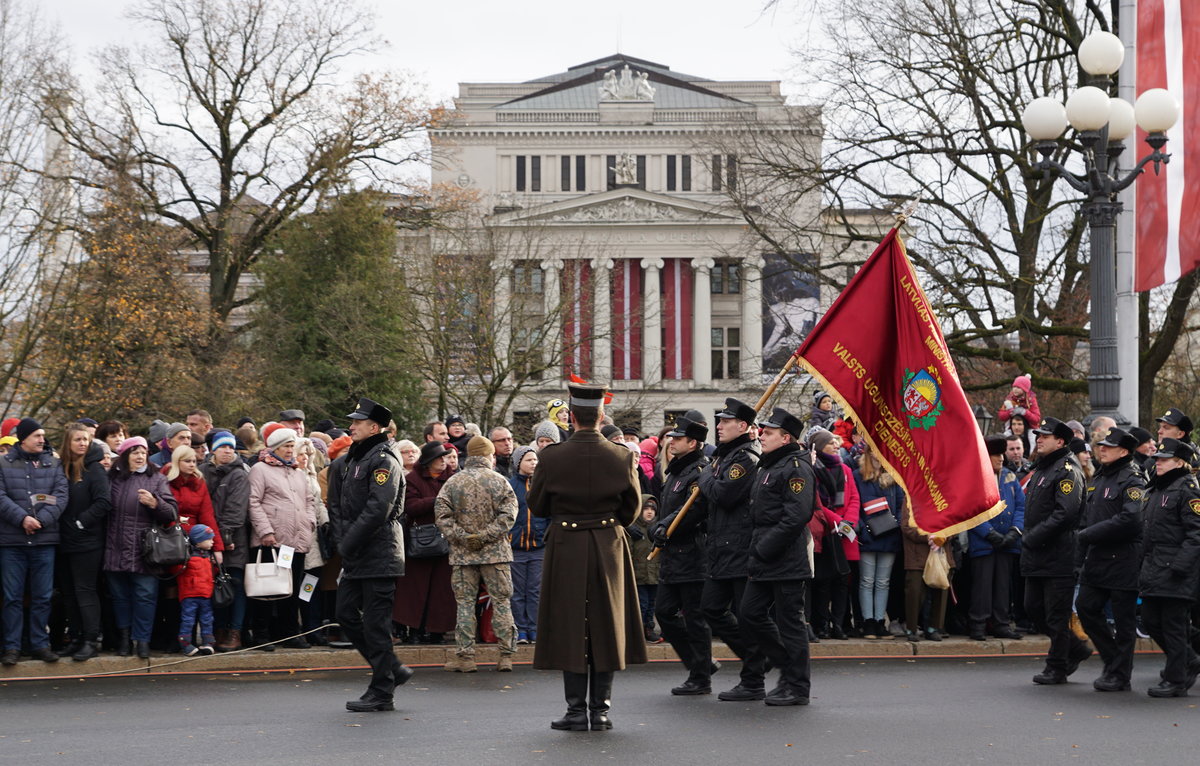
(464, 580)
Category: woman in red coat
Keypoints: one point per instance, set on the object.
(424, 599)
(191, 492)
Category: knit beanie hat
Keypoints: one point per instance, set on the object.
(25, 427)
(1023, 382)
(820, 437)
(130, 443)
(545, 429)
(339, 446)
(174, 429)
(480, 447)
(223, 439)
(280, 436)
(555, 406)
(157, 432)
(268, 428)
(6, 428)
(199, 533)
(519, 454)
(455, 419)
(817, 397)
(608, 432)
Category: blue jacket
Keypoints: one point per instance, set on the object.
(22, 476)
(867, 491)
(1012, 516)
(528, 532)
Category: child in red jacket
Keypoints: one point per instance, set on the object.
(195, 593)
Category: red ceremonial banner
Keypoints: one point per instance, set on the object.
(880, 351)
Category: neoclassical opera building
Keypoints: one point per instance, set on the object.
(625, 167)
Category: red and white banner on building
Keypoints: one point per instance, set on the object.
(1168, 208)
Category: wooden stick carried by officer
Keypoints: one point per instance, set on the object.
(762, 402)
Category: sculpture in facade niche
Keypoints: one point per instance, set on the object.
(626, 169)
(627, 87)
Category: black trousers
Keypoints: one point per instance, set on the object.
(79, 582)
(1115, 644)
(784, 639)
(364, 609)
(991, 590)
(1048, 603)
(1167, 621)
(831, 595)
(681, 617)
(720, 603)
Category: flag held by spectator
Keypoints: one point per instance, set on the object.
(880, 349)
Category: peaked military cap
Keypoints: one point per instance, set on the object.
(369, 410)
(1175, 417)
(685, 426)
(585, 395)
(1056, 428)
(1176, 448)
(1119, 437)
(738, 411)
(781, 418)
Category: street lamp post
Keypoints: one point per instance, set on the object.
(1102, 125)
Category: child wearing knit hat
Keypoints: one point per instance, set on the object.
(195, 584)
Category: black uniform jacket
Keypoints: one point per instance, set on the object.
(365, 511)
(781, 505)
(1171, 562)
(726, 484)
(1110, 529)
(1053, 502)
(683, 558)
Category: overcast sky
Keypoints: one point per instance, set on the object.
(444, 43)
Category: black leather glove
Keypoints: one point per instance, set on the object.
(1011, 538)
(995, 539)
(635, 532)
(659, 535)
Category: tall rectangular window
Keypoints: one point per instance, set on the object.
(670, 172)
(565, 174)
(731, 172)
(641, 170)
(580, 172)
(535, 174)
(686, 171)
(520, 172)
(716, 172)
(726, 353)
(610, 170)
(726, 278)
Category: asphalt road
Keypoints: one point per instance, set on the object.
(877, 712)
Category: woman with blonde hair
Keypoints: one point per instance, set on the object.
(879, 493)
(191, 493)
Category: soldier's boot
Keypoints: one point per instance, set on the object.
(461, 664)
(599, 699)
(505, 663)
(575, 686)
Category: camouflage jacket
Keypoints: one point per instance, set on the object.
(477, 502)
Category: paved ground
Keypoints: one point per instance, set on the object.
(882, 711)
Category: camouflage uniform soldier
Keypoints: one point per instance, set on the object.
(475, 510)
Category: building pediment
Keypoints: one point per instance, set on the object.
(619, 206)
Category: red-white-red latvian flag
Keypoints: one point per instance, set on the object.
(1168, 209)
(880, 349)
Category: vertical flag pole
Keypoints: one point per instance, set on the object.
(1127, 299)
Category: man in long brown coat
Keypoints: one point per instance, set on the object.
(589, 623)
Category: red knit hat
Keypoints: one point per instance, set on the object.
(6, 428)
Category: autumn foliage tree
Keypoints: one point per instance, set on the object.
(123, 345)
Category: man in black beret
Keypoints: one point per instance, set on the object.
(366, 500)
(683, 567)
(781, 505)
(1109, 555)
(1053, 503)
(725, 485)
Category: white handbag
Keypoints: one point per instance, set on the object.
(267, 581)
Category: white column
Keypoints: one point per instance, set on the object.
(1128, 348)
(552, 306)
(702, 322)
(752, 320)
(602, 320)
(501, 308)
(651, 323)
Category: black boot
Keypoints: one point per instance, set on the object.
(76, 645)
(599, 699)
(575, 687)
(123, 645)
(142, 648)
(86, 651)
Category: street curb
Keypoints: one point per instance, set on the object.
(251, 661)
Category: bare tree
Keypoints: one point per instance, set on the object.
(37, 251)
(922, 100)
(237, 115)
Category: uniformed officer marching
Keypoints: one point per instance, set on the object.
(781, 505)
(1110, 555)
(725, 485)
(683, 568)
(1053, 502)
(364, 514)
(589, 621)
(1171, 564)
